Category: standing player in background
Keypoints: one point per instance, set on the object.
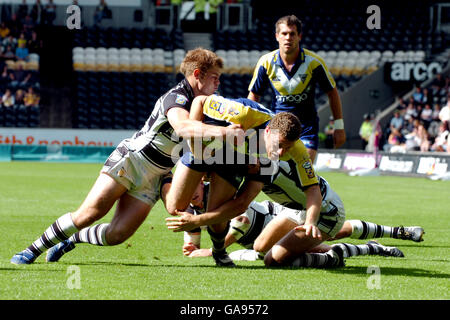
(132, 173)
(293, 73)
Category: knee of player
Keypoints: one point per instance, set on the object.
(269, 260)
(84, 218)
(116, 236)
(260, 245)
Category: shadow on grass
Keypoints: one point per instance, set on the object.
(393, 271)
(418, 245)
(355, 270)
(157, 265)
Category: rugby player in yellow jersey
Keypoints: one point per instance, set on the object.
(278, 138)
(293, 73)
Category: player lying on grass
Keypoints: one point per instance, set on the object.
(277, 137)
(247, 228)
(131, 175)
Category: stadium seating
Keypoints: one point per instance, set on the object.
(116, 100)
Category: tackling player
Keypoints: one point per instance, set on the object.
(249, 229)
(132, 173)
(293, 73)
(277, 138)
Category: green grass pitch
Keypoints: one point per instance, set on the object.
(150, 265)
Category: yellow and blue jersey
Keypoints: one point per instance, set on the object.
(221, 111)
(292, 91)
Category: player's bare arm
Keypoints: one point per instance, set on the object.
(227, 211)
(313, 204)
(336, 109)
(253, 96)
(192, 127)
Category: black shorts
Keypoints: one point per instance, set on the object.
(234, 173)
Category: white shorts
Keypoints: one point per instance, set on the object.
(134, 172)
(332, 214)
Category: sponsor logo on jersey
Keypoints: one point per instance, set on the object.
(296, 98)
(308, 168)
(181, 99)
(217, 106)
(232, 111)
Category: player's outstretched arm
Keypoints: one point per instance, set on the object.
(189, 124)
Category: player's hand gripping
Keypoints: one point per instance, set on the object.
(235, 133)
(311, 230)
(182, 222)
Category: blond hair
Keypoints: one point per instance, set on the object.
(201, 59)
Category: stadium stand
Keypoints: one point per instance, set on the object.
(19, 63)
(422, 125)
(121, 68)
(126, 69)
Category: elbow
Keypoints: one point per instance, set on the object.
(241, 204)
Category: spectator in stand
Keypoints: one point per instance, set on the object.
(4, 30)
(19, 98)
(427, 96)
(101, 11)
(397, 121)
(4, 78)
(15, 25)
(22, 12)
(436, 110)
(22, 52)
(49, 13)
(438, 83)
(402, 104)
(418, 96)
(409, 125)
(20, 78)
(8, 99)
(36, 12)
(28, 26)
(10, 41)
(394, 143)
(410, 112)
(9, 54)
(423, 139)
(444, 114)
(22, 39)
(427, 115)
(440, 143)
(365, 131)
(31, 98)
(34, 44)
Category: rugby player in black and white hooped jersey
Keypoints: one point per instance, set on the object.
(132, 173)
(264, 223)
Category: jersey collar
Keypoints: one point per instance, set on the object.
(300, 59)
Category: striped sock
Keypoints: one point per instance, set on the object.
(313, 260)
(95, 235)
(369, 230)
(59, 231)
(218, 239)
(351, 250)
